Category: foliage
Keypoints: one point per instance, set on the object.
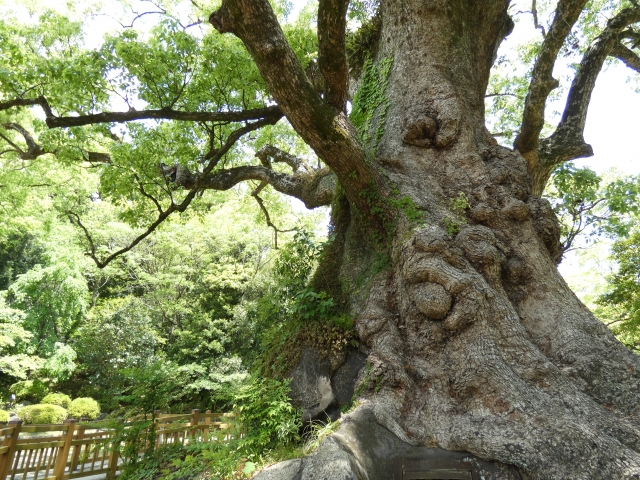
(16, 360)
(38, 414)
(59, 399)
(129, 440)
(53, 298)
(84, 407)
(370, 103)
(150, 387)
(153, 465)
(60, 365)
(30, 390)
(362, 43)
(267, 415)
(19, 252)
(623, 296)
(4, 416)
(289, 314)
(266, 430)
(458, 206)
(319, 431)
(591, 205)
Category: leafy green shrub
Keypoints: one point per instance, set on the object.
(84, 408)
(4, 416)
(31, 390)
(42, 414)
(59, 399)
(158, 463)
(267, 415)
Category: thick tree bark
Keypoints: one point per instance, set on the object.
(476, 342)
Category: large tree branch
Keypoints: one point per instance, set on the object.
(164, 113)
(315, 189)
(542, 81)
(54, 121)
(567, 142)
(198, 183)
(323, 127)
(627, 56)
(33, 149)
(270, 154)
(27, 102)
(332, 56)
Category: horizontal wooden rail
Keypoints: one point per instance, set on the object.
(73, 451)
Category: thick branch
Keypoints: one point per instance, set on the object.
(567, 142)
(326, 129)
(33, 149)
(27, 102)
(164, 113)
(627, 56)
(54, 121)
(542, 81)
(194, 187)
(314, 189)
(332, 56)
(270, 154)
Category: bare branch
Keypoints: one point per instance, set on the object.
(196, 183)
(161, 218)
(542, 81)
(15, 148)
(332, 56)
(534, 12)
(255, 195)
(164, 113)
(314, 189)
(54, 121)
(502, 95)
(92, 253)
(147, 195)
(627, 56)
(567, 142)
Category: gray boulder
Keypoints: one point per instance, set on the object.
(311, 385)
(320, 386)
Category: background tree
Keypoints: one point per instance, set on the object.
(443, 251)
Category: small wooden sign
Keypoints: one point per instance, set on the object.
(433, 469)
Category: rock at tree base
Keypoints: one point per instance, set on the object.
(363, 449)
(320, 386)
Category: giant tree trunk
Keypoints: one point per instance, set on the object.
(475, 341)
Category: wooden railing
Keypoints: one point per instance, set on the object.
(72, 450)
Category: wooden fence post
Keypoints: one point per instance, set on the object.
(195, 420)
(207, 421)
(114, 455)
(11, 442)
(63, 452)
(76, 451)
